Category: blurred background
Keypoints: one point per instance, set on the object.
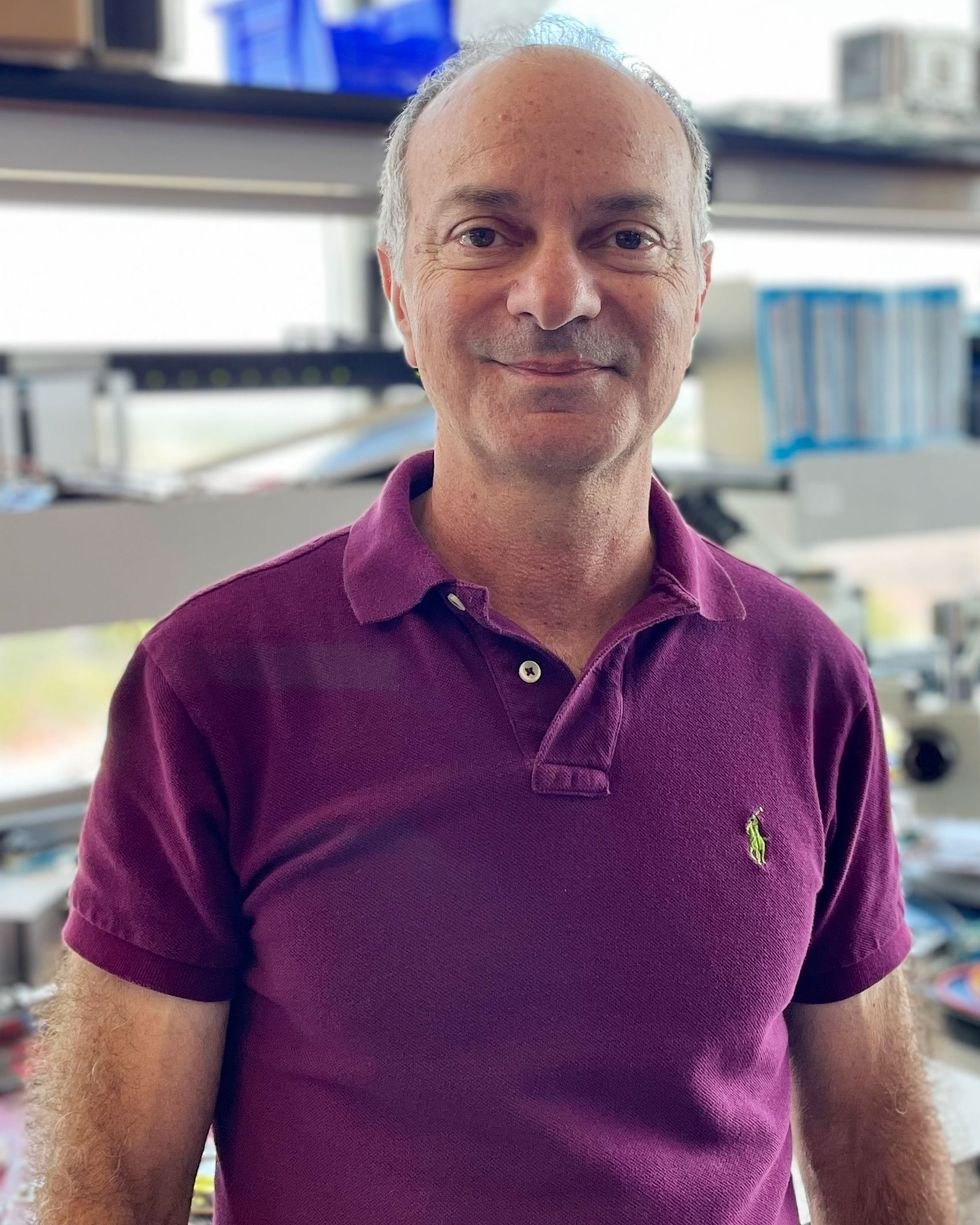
(197, 371)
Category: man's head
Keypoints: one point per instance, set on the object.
(543, 246)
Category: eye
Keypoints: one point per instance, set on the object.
(632, 240)
(480, 236)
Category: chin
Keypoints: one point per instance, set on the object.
(555, 455)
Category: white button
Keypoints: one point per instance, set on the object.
(456, 602)
(530, 671)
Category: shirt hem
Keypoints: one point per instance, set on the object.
(840, 984)
(205, 984)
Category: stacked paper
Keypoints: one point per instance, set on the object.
(860, 367)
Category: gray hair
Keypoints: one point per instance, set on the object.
(551, 31)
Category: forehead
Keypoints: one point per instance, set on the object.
(547, 119)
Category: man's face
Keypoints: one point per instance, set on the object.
(550, 290)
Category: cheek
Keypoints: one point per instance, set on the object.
(669, 328)
(437, 345)
(439, 348)
(444, 319)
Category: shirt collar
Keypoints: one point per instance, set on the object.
(388, 566)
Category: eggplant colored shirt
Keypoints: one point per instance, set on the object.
(502, 947)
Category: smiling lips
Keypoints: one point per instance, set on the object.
(555, 367)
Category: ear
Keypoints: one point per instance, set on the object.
(707, 251)
(396, 300)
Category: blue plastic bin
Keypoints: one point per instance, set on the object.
(281, 44)
(287, 44)
(389, 50)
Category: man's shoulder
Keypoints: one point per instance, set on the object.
(769, 592)
(782, 619)
(278, 596)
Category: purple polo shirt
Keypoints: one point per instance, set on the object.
(500, 950)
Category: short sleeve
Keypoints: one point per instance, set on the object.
(859, 933)
(155, 900)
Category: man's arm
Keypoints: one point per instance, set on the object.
(870, 1149)
(120, 1097)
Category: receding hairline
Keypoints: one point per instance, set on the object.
(432, 109)
(536, 50)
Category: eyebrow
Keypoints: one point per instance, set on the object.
(488, 197)
(620, 202)
(630, 202)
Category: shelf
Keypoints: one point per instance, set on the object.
(123, 91)
(54, 807)
(853, 495)
(764, 180)
(847, 495)
(200, 370)
(72, 136)
(685, 473)
(83, 563)
(164, 371)
(97, 138)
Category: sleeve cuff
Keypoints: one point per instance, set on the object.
(146, 969)
(842, 983)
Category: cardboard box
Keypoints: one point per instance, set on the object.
(910, 71)
(52, 24)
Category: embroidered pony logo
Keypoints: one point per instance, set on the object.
(757, 843)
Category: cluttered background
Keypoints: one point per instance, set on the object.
(197, 371)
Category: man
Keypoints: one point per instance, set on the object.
(495, 860)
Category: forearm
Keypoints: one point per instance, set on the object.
(94, 1155)
(85, 1171)
(93, 1188)
(102, 1198)
(895, 1170)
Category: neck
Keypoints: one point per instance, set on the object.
(568, 558)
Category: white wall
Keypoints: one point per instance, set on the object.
(715, 52)
(87, 277)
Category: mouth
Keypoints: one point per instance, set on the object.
(554, 369)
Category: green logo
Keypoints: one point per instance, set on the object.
(757, 843)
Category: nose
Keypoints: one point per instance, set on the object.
(554, 285)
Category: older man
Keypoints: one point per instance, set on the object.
(495, 860)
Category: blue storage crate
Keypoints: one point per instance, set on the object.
(286, 44)
(367, 65)
(280, 44)
(388, 50)
(425, 20)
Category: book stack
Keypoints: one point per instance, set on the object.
(843, 368)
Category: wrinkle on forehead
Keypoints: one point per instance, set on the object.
(631, 152)
(466, 155)
(625, 119)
